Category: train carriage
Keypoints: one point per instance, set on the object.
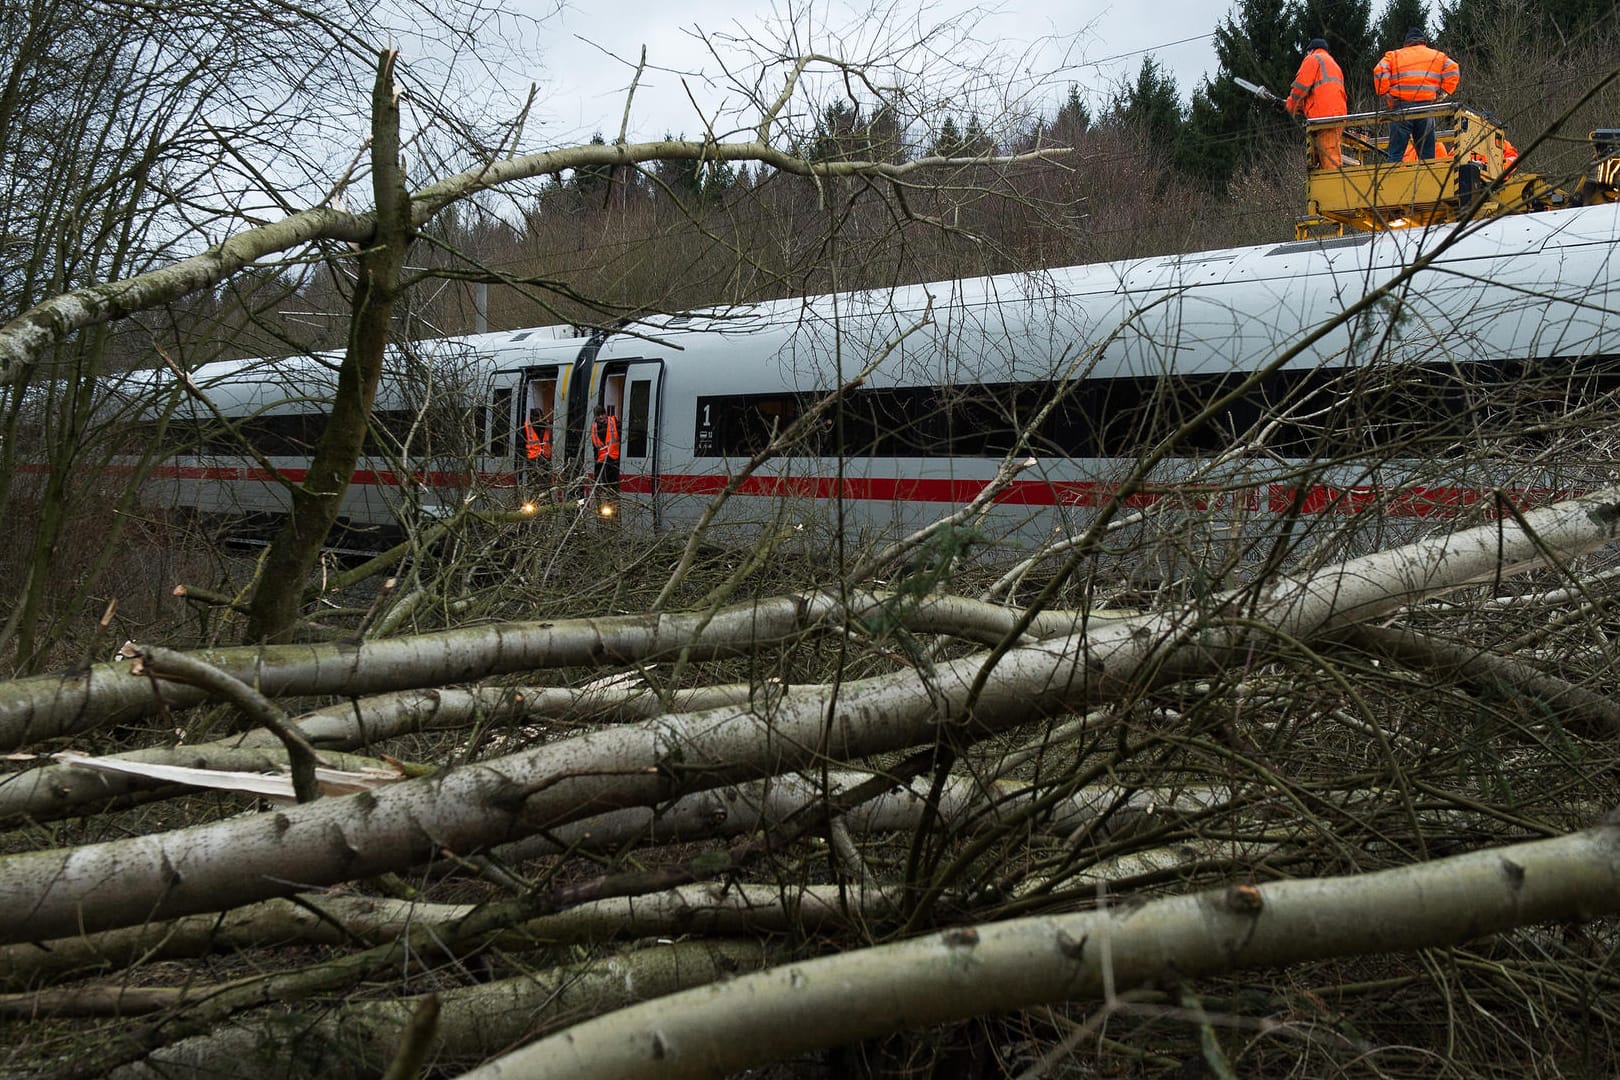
(1511, 328)
(1512, 324)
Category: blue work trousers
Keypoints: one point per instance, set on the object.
(1419, 131)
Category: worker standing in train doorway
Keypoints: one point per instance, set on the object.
(1318, 91)
(537, 440)
(1413, 75)
(536, 454)
(605, 441)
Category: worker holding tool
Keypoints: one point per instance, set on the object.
(1318, 91)
(1413, 74)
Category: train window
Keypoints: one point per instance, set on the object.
(496, 433)
(1288, 406)
(1432, 410)
(1303, 413)
(1122, 416)
(388, 432)
(907, 421)
(271, 434)
(179, 437)
(883, 423)
(984, 420)
(744, 424)
(391, 431)
(1542, 401)
(1435, 410)
(636, 419)
(214, 437)
(1069, 429)
(1183, 398)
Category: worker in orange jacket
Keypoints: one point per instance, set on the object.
(1318, 91)
(605, 441)
(1413, 74)
(537, 441)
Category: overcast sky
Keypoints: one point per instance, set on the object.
(1033, 48)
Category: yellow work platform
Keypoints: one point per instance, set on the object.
(1472, 175)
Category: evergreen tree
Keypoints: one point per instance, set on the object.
(1262, 41)
(1067, 127)
(1072, 115)
(833, 132)
(1467, 25)
(1150, 107)
(719, 177)
(1400, 16)
(843, 134)
(680, 181)
(690, 184)
(948, 143)
(884, 139)
(1346, 26)
(976, 141)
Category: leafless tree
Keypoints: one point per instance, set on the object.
(686, 809)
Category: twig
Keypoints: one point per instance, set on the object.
(415, 1041)
(153, 660)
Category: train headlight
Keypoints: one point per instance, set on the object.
(529, 509)
(607, 510)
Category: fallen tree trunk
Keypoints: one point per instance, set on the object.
(1574, 708)
(703, 908)
(996, 967)
(722, 813)
(223, 865)
(55, 791)
(52, 706)
(474, 1021)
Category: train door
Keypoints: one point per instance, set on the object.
(630, 391)
(539, 442)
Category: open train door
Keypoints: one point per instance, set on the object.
(541, 440)
(631, 391)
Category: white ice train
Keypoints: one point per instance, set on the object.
(1475, 365)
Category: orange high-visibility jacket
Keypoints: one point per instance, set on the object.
(1414, 74)
(605, 439)
(1319, 87)
(1440, 151)
(536, 444)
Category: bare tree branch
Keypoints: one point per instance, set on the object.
(996, 967)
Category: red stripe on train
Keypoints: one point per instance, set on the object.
(369, 477)
(1421, 501)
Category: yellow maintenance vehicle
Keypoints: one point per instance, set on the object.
(1474, 174)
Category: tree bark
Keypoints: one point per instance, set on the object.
(46, 707)
(703, 908)
(279, 593)
(465, 810)
(49, 792)
(997, 967)
(474, 1021)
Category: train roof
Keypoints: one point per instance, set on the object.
(1527, 285)
(262, 382)
(1361, 253)
(1233, 304)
